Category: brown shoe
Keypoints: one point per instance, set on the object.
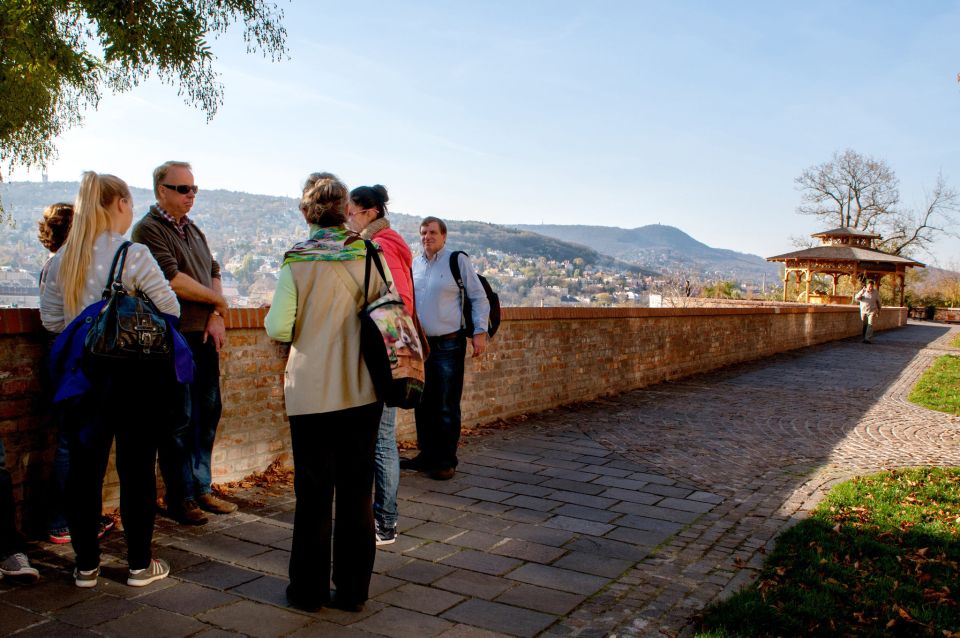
(187, 513)
(443, 474)
(216, 505)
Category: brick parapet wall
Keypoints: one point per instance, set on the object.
(541, 358)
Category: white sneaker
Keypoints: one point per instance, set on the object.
(156, 570)
(86, 579)
(18, 566)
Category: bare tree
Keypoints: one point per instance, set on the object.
(860, 192)
(911, 231)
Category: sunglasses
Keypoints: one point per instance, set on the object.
(183, 189)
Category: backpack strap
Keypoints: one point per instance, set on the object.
(115, 283)
(455, 267)
(455, 271)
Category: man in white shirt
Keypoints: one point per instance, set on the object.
(440, 308)
(869, 298)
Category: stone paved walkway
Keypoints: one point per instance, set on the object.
(618, 517)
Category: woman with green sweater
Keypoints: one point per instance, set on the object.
(330, 401)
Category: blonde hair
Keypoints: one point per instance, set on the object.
(324, 200)
(90, 218)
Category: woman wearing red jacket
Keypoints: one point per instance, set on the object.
(366, 214)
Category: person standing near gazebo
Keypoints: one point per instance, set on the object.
(869, 298)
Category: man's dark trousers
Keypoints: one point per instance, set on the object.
(185, 459)
(438, 415)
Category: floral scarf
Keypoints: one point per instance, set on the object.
(336, 243)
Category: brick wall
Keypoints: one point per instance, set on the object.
(541, 358)
(948, 315)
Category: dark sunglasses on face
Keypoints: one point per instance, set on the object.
(183, 189)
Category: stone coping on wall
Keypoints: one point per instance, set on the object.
(27, 320)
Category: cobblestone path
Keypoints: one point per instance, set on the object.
(770, 437)
(621, 517)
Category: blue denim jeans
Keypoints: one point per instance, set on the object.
(438, 415)
(185, 456)
(386, 471)
(10, 541)
(57, 510)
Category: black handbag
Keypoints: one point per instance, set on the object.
(129, 327)
(390, 343)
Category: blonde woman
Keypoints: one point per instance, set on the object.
(333, 409)
(124, 401)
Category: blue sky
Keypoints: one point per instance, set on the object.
(619, 113)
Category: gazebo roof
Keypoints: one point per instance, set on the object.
(845, 232)
(845, 253)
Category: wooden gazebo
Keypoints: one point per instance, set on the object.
(843, 251)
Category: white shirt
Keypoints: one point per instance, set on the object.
(439, 305)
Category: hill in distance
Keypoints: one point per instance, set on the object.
(236, 223)
(662, 247)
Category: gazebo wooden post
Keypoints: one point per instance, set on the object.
(845, 252)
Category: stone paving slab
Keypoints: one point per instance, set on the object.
(622, 517)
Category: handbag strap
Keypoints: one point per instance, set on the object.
(373, 255)
(115, 283)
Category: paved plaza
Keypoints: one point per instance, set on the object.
(623, 516)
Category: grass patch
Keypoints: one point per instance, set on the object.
(878, 557)
(956, 342)
(939, 387)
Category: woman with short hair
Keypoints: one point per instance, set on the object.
(330, 401)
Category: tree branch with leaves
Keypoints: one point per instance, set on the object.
(58, 56)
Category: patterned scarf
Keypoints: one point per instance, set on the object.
(336, 243)
(374, 227)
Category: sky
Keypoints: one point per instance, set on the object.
(623, 113)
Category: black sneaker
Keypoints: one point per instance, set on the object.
(386, 536)
(305, 604)
(345, 604)
(416, 463)
(443, 474)
(106, 524)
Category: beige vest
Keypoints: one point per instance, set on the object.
(325, 371)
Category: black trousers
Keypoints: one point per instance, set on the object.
(333, 453)
(126, 404)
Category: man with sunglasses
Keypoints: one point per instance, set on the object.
(183, 254)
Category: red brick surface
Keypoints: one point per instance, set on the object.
(541, 358)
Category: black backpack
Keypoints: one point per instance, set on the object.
(493, 323)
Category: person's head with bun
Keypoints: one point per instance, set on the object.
(54, 225)
(324, 200)
(367, 203)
